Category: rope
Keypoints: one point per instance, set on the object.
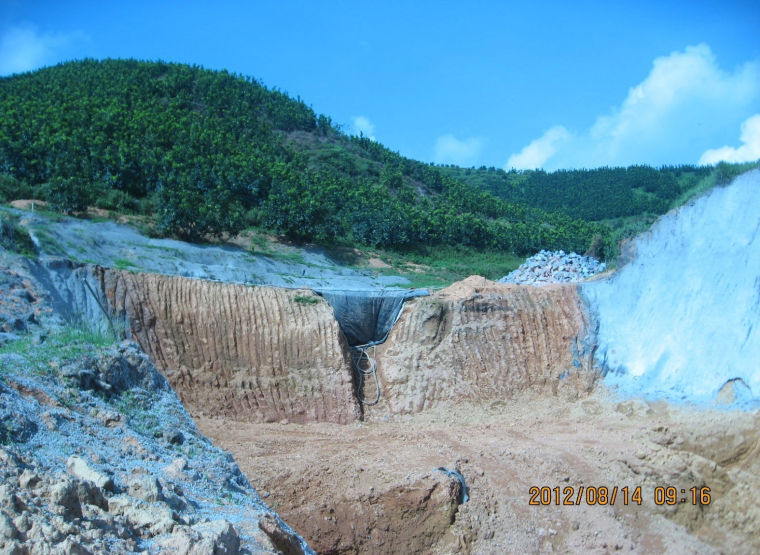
(365, 365)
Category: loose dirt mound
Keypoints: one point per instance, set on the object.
(246, 353)
(479, 340)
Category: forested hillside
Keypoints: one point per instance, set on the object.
(208, 153)
(598, 194)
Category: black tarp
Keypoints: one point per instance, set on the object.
(366, 317)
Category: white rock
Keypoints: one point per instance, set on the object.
(78, 468)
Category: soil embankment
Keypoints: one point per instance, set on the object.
(246, 353)
(479, 340)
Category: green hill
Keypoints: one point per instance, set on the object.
(208, 153)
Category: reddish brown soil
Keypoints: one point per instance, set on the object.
(345, 488)
(490, 379)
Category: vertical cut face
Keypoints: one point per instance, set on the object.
(247, 353)
(481, 340)
(682, 319)
(267, 354)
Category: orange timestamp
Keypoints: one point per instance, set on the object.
(604, 495)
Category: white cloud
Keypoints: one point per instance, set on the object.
(23, 48)
(539, 151)
(749, 151)
(363, 126)
(450, 150)
(685, 105)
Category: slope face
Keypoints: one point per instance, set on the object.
(122, 246)
(682, 320)
(266, 354)
(97, 454)
(481, 340)
(246, 353)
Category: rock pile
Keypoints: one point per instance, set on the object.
(98, 455)
(81, 472)
(17, 312)
(554, 267)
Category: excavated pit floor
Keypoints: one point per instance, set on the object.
(355, 488)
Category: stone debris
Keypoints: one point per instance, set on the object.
(555, 267)
(98, 455)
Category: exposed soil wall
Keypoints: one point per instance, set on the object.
(481, 340)
(246, 353)
(265, 354)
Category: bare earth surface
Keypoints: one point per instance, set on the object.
(361, 487)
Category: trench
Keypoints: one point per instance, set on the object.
(365, 319)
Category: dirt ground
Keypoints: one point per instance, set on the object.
(346, 488)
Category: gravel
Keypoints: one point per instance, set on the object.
(555, 267)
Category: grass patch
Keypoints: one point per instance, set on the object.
(124, 264)
(14, 237)
(294, 257)
(440, 266)
(138, 406)
(306, 299)
(168, 250)
(261, 244)
(48, 243)
(59, 347)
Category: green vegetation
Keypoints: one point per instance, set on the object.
(592, 195)
(208, 154)
(306, 299)
(46, 239)
(432, 267)
(14, 237)
(624, 200)
(136, 404)
(124, 264)
(59, 347)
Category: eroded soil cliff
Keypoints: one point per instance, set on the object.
(246, 353)
(265, 354)
(482, 340)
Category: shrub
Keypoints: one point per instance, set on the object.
(67, 194)
(303, 299)
(14, 237)
(12, 188)
(114, 199)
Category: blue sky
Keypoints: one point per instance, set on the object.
(504, 84)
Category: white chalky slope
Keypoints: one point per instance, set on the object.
(683, 318)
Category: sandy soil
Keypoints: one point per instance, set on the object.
(335, 483)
